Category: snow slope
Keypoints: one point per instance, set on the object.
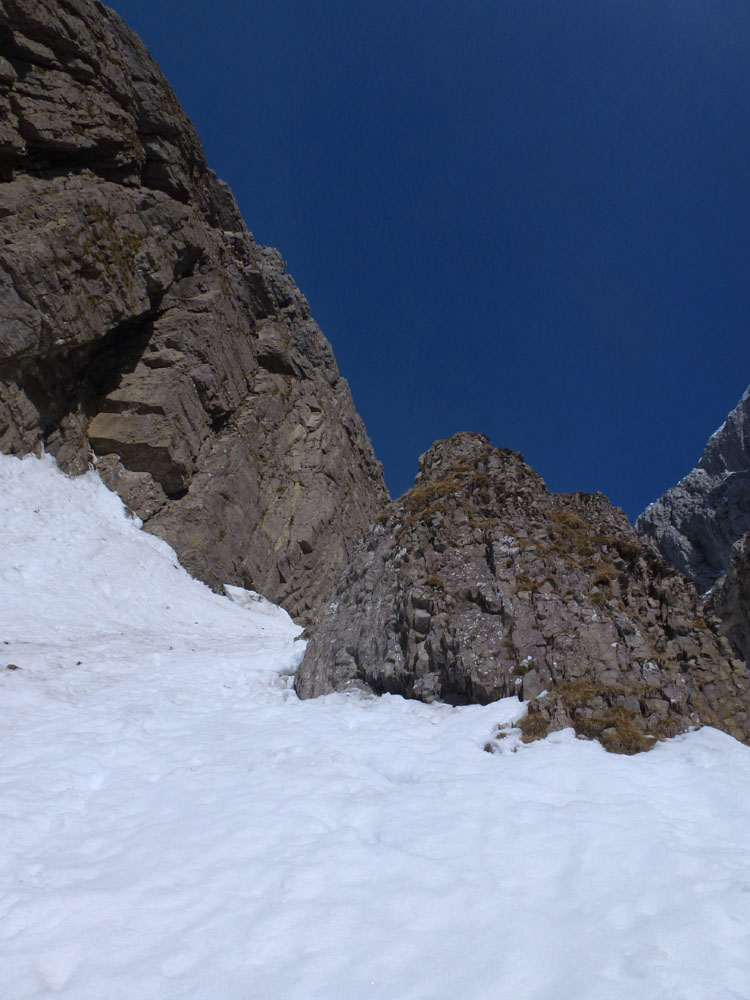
(176, 824)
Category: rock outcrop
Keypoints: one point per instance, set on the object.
(697, 522)
(478, 583)
(141, 327)
(701, 526)
(730, 599)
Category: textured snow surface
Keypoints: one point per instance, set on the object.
(176, 824)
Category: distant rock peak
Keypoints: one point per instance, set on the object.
(728, 448)
(697, 522)
(701, 526)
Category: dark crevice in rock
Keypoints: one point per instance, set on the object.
(220, 422)
(176, 495)
(119, 352)
(489, 555)
(697, 522)
(276, 364)
(51, 163)
(81, 375)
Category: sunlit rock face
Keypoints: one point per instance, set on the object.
(696, 523)
(702, 525)
(479, 583)
(141, 327)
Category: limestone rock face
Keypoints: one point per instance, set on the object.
(696, 523)
(142, 327)
(478, 583)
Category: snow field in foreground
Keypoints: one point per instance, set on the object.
(177, 824)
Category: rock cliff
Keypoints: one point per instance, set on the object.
(478, 583)
(730, 599)
(696, 523)
(702, 525)
(141, 327)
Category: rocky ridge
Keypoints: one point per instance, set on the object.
(478, 583)
(701, 526)
(695, 524)
(143, 329)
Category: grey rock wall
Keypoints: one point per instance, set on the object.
(697, 522)
(478, 583)
(142, 328)
(702, 526)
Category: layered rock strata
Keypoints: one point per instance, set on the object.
(478, 583)
(143, 329)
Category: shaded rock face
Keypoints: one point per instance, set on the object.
(730, 599)
(697, 522)
(478, 583)
(140, 324)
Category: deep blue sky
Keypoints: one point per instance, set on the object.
(528, 218)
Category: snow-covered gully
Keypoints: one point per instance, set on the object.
(176, 824)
